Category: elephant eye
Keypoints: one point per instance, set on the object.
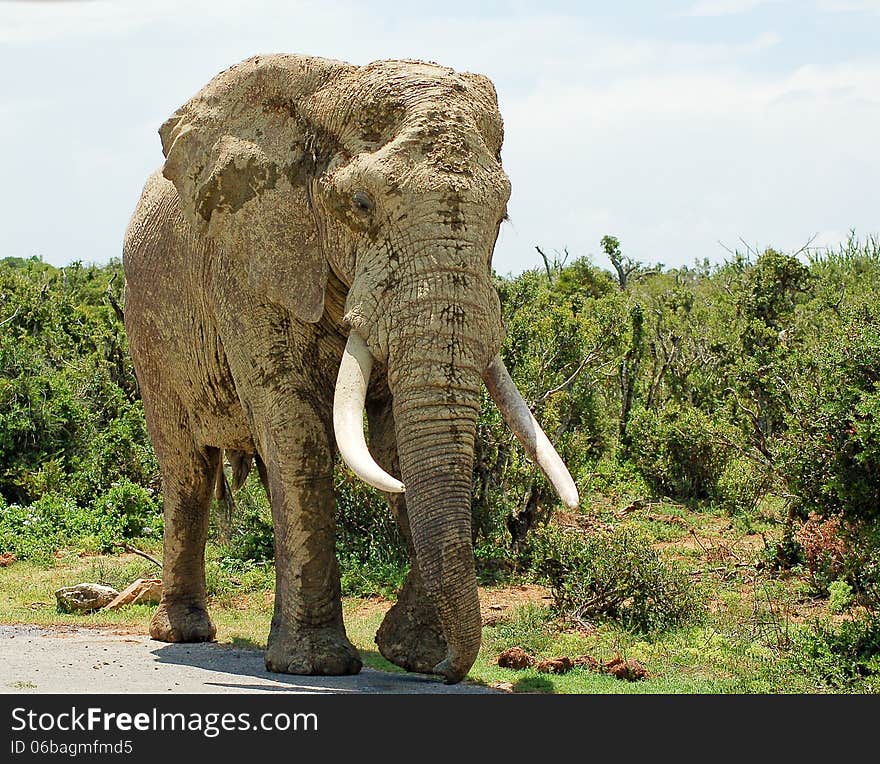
(362, 202)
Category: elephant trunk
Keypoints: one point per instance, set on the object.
(436, 451)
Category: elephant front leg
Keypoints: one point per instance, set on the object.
(307, 634)
(410, 635)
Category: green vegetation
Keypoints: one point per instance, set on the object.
(615, 576)
(722, 423)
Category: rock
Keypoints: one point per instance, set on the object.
(6, 559)
(141, 592)
(629, 670)
(515, 658)
(84, 598)
(559, 665)
(587, 662)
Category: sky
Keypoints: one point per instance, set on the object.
(685, 128)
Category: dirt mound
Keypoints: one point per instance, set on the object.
(515, 658)
(559, 665)
(630, 670)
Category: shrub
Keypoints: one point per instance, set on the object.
(740, 487)
(840, 596)
(253, 536)
(372, 578)
(862, 564)
(35, 531)
(229, 575)
(840, 655)
(830, 450)
(125, 511)
(366, 531)
(51, 522)
(824, 550)
(615, 575)
(676, 450)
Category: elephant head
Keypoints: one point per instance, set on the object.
(389, 176)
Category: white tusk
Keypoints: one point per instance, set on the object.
(527, 430)
(348, 416)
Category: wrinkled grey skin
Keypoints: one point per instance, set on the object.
(303, 198)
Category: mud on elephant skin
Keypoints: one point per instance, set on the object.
(318, 242)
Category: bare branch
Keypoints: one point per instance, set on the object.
(112, 300)
(129, 548)
(587, 358)
(546, 264)
(12, 317)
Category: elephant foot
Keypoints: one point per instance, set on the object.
(314, 652)
(411, 636)
(182, 622)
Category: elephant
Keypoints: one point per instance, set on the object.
(316, 247)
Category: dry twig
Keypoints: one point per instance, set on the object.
(129, 548)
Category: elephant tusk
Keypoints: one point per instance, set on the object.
(348, 416)
(527, 430)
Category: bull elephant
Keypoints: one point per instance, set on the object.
(318, 244)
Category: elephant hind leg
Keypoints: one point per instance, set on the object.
(188, 478)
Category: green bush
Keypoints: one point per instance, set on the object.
(615, 575)
(71, 421)
(830, 451)
(253, 536)
(372, 578)
(229, 575)
(839, 655)
(677, 451)
(371, 551)
(53, 522)
(740, 486)
(126, 511)
(35, 531)
(840, 596)
(366, 531)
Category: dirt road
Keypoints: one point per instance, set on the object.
(88, 661)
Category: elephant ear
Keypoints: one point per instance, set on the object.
(241, 155)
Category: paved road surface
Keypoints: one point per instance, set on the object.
(78, 660)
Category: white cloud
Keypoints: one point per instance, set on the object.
(669, 145)
(679, 159)
(849, 6)
(29, 22)
(725, 7)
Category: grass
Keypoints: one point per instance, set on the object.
(746, 643)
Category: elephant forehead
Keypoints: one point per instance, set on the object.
(445, 162)
(385, 98)
(408, 79)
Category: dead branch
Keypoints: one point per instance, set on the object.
(129, 548)
(117, 309)
(12, 317)
(587, 358)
